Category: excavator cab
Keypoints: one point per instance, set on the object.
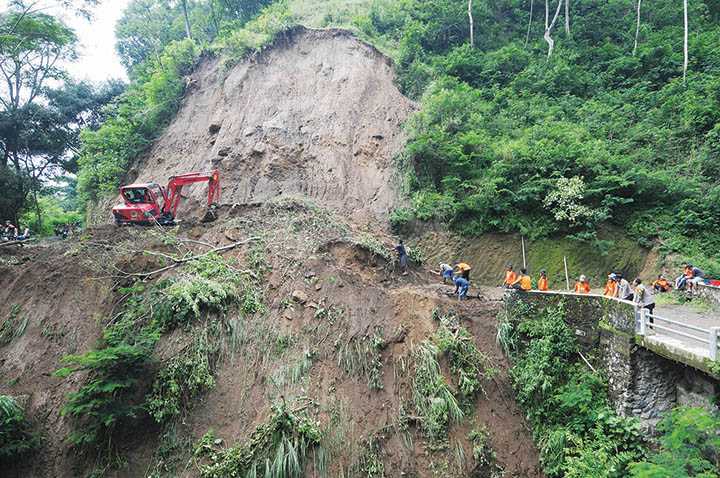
(141, 204)
(150, 203)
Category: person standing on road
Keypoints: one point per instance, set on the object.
(644, 297)
(611, 286)
(624, 289)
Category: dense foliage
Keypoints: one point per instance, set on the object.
(689, 447)
(41, 110)
(124, 386)
(580, 435)
(509, 140)
(16, 436)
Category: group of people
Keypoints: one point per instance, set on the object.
(619, 287)
(11, 232)
(458, 275)
(690, 278)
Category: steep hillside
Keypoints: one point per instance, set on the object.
(315, 115)
(181, 361)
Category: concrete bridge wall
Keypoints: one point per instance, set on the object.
(641, 382)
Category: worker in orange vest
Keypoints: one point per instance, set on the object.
(582, 286)
(662, 284)
(543, 281)
(522, 282)
(510, 276)
(611, 286)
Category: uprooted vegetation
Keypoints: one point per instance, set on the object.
(118, 394)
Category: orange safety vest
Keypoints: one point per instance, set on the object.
(662, 283)
(542, 283)
(582, 287)
(610, 288)
(525, 282)
(510, 277)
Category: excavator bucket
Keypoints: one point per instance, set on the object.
(210, 214)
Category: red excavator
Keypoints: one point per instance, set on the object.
(142, 200)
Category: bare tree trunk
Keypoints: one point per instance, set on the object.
(527, 37)
(548, 30)
(472, 28)
(187, 20)
(685, 41)
(637, 26)
(547, 14)
(567, 17)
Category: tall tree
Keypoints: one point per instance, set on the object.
(567, 17)
(637, 27)
(548, 30)
(685, 40)
(32, 48)
(472, 28)
(188, 33)
(530, 19)
(547, 14)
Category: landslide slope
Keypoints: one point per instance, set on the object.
(316, 114)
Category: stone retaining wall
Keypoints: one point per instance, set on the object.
(640, 382)
(710, 293)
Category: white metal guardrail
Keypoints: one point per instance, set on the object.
(706, 337)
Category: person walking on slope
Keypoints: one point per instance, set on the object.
(446, 272)
(643, 297)
(624, 290)
(582, 286)
(510, 276)
(543, 281)
(611, 286)
(523, 282)
(461, 287)
(402, 256)
(463, 269)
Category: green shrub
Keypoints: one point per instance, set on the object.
(14, 326)
(256, 33)
(16, 438)
(467, 363)
(280, 447)
(434, 401)
(184, 378)
(689, 446)
(579, 434)
(111, 399)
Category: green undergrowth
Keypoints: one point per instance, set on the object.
(126, 384)
(280, 447)
(17, 440)
(438, 403)
(578, 432)
(13, 326)
(361, 356)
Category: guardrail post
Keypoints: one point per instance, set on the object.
(643, 326)
(714, 342)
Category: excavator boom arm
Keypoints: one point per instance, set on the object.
(176, 184)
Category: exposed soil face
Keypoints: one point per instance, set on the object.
(316, 115)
